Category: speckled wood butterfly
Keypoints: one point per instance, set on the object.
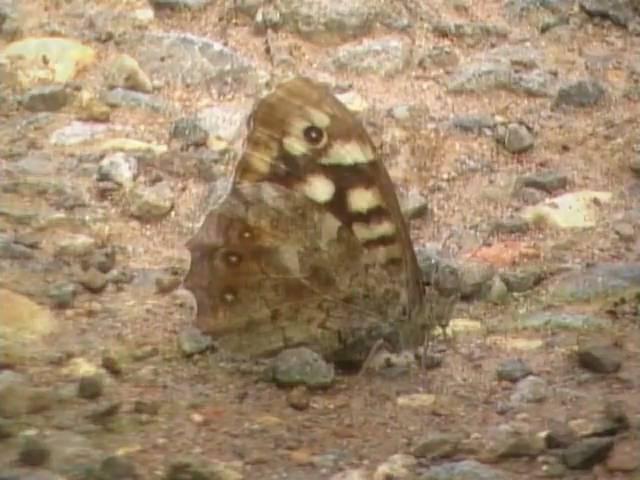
(309, 247)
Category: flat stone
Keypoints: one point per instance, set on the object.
(600, 358)
(587, 452)
(571, 210)
(65, 57)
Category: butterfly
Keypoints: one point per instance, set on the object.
(309, 245)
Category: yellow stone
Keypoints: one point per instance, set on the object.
(49, 59)
(416, 400)
(571, 210)
(464, 325)
(130, 144)
(23, 324)
(515, 343)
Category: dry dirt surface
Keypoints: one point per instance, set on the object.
(512, 132)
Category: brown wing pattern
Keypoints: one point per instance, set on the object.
(309, 246)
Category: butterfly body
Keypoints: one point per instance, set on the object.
(309, 247)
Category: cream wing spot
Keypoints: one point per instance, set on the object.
(318, 188)
(348, 153)
(362, 199)
(382, 254)
(373, 231)
(318, 117)
(295, 145)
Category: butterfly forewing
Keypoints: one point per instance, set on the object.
(309, 246)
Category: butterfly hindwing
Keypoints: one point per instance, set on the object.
(309, 246)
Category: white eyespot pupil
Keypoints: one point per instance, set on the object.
(313, 135)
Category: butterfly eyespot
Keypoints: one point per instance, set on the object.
(232, 258)
(229, 296)
(313, 135)
(246, 234)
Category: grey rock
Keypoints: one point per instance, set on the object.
(191, 470)
(546, 181)
(90, 387)
(587, 452)
(600, 358)
(71, 453)
(189, 133)
(385, 56)
(33, 452)
(75, 245)
(559, 435)
(36, 164)
(117, 468)
(112, 363)
(513, 370)
(515, 137)
(511, 225)
(168, 282)
(597, 281)
(603, 426)
(437, 445)
(329, 20)
(10, 19)
(122, 97)
(625, 231)
(536, 83)
(146, 408)
(301, 366)
(553, 22)
(619, 12)
(189, 60)
(473, 30)
(509, 68)
(516, 8)
(78, 132)
(192, 341)
(225, 122)
(93, 280)
(267, 17)
(47, 98)
(298, 398)
(438, 57)
(414, 205)
(475, 279)
(8, 429)
(634, 165)
(102, 259)
(149, 203)
(479, 76)
(119, 167)
(180, 4)
(125, 72)
(41, 400)
(62, 294)
(14, 394)
(11, 250)
(528, 195)
(615, 413)
(104, 413)
(473, 123)
(581, 94)
(463, 470)
(523, 279)
(562, 320)
(530, 389)
(507, 441)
